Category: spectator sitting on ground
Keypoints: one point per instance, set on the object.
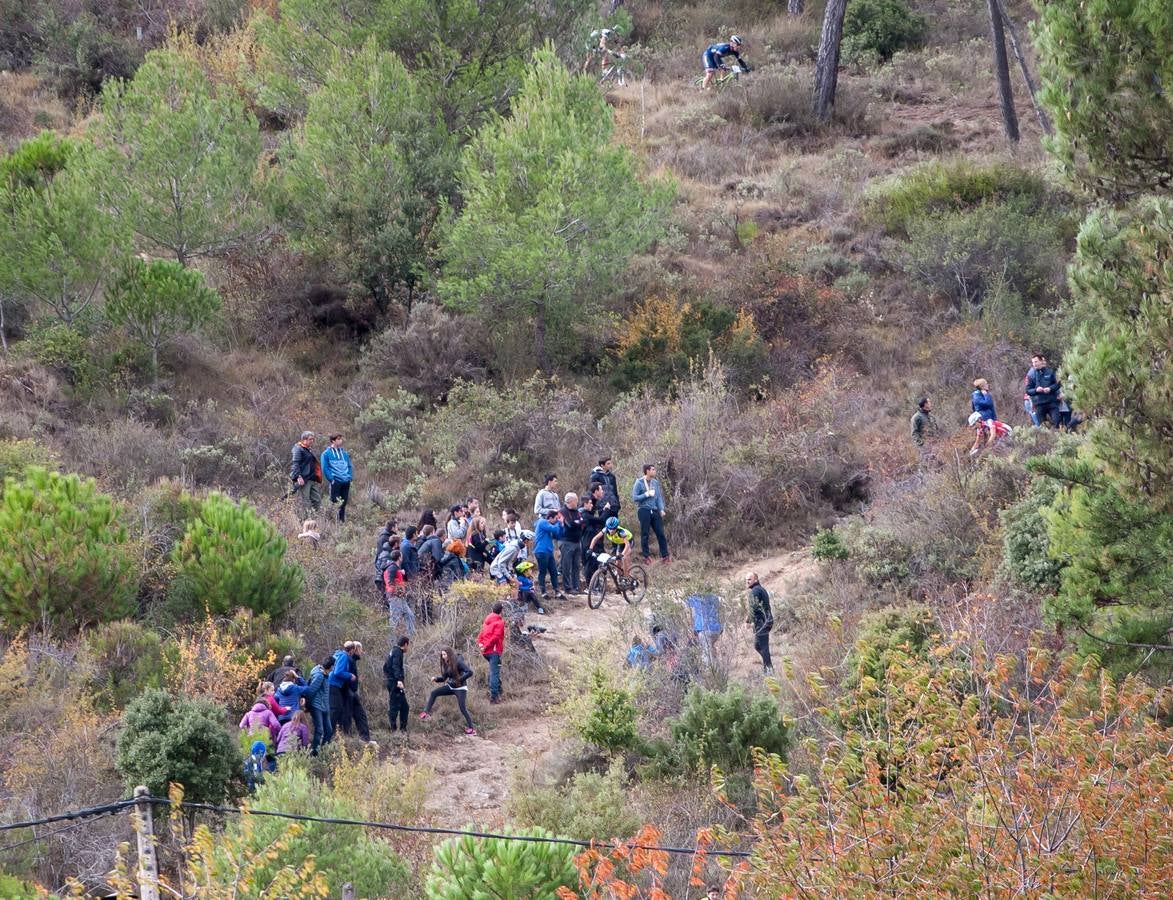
(310, 533)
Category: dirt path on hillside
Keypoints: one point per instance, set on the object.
(473, 775)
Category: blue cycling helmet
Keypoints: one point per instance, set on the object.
(611, 524)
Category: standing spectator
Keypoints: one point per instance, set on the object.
(286, 666)
(294, 734)
(570, 547)
(593, 522)
(603, 474)
(649, 498)
(397, 708)
(266, 692)
(339, 473)
(289, 694)
(761, 617)
(1042, 386)
(478, 543)
(982, 401)
(357, 712)
(409, 559)
(547, 499)
(923, 424)
(457, 526)
(491, 640)
(260, 722)
(388, 534)
(318, 699)
(453, 678)
(431, 551)
(706, 623)
(427, 517)
(399, 611)
(254, 766)
(548, 531)
(525, 586)
(306, 472)
(509, 519)
(340, 680)
(473, 508)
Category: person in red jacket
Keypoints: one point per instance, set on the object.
(491, 640)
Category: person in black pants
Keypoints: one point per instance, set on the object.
(354, 703)
(593, 520)
(397, 708)
(453, 678)
(649, 498)
(761, 618)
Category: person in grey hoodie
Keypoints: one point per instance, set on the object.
(547, 498)
(649, 501)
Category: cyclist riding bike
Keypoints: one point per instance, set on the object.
(597, 47)
(619, 537)
(715, 54)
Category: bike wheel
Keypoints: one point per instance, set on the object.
(635, 585)
(699, 81)
(597, 589)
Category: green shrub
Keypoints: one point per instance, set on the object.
(594, 805)
(65, 560)
(881, 558)
(826, 545)
(940, 187)
(340, 854)
(469, 868)
(231, 557)
(12, 888)
(17, 456)
(1025, 545)
(721, 728)
(889, 634)
(876, 29)
(127, 659)
(64, 350)
(610, 720)
(167, 738)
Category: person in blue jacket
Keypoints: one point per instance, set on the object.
(336, 469)
(409, 560)
(715, 54)
(289, 693)
(341, 680)
(318, 701)
(983, 401)
(649, 499)
(546, 531)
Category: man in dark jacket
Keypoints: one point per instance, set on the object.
(431, 551)
(306, 472)
(409, 555)
(397, 708)
(570, 547)
(593, 520)
(603, 474)
(761, 617)
(1042, 387)
(356, 710)
(923, 424)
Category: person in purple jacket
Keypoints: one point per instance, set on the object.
(294, 734)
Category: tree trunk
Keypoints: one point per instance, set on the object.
(827, 67)
(1032, 88)
(794, 7)
(3, 333)
(1002, 71)
(540, 353)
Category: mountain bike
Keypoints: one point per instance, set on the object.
(632, 586)
(727, 75)
(616, 70)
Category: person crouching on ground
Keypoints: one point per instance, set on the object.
(453, 678)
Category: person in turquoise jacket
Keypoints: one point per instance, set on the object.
(336, 469)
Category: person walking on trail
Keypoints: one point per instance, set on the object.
(286, 666)
(254, 766)
(548, 531)
(306, 472)
(524, 573)
(318, 703)
(761, 617)
(570, 546)
(290, 693)
(1043, 389)
(922, 423)
(261, 722)
(339, 473)
(602, 474)
(453, 678)
(546, 499)
(397, 708)
(294, 735)
(982, 401)
(649, 498)
(491, 641)
(340, 680)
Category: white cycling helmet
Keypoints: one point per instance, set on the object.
(736, 39)
(974, 418)
(528, 535)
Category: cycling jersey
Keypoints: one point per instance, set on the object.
(619, 536)
(715, 52)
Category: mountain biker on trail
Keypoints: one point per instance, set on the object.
(715, 54)
(617, 536)
(597, 47)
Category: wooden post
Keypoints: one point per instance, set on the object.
(143, 821)
(1002, 71)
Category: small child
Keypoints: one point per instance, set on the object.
(310, 533)
(640, 654)
(989, 432)
(254, 766)
(525, 585)
(294, 734)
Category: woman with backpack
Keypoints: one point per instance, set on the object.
(452, 681)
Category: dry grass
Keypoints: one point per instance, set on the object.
(27, 106)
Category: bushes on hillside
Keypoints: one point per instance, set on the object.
(876, 29)
(721, 728)
(906, 632)
(126, 658)
(468, 867)
(231, 557)
(1025, 545)
(65, 558)
(592, 805)
(170, 737)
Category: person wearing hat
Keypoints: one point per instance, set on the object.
(306, 472)
(254, 766)
(525, 585)
(547, 530)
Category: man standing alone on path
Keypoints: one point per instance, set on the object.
(397, 708)
(603, 474)
(649, 499)
(306, 472)
(491, 640)
(761, 617)
(923, 424)
(339, 473)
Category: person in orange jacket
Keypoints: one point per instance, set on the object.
(491, 640)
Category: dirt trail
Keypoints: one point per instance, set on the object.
(473, 774)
